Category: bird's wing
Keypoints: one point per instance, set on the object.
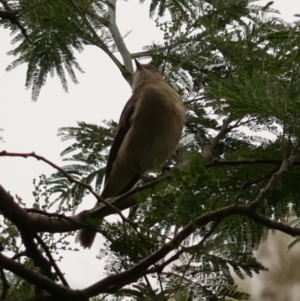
(122, 129)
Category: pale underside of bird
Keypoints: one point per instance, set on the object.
(148, 132)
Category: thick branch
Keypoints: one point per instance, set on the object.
(114, 282)
(20, 217)
(39, 280)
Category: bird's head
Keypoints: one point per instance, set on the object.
(145, 73)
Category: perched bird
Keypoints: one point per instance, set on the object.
(149, 130)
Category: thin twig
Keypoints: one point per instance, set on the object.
(70, 178)
(159, 269)
(19, 255)
(216, 162)
(34, 253)
(56, 215)
(274, 179)
(51, 259)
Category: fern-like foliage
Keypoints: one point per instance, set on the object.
(57, 29)
(86, 158)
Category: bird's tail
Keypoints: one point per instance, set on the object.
(85, 237)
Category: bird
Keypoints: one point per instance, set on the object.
(147, 134)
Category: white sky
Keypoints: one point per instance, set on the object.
(101, 94)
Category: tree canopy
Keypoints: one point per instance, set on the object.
(196, 221)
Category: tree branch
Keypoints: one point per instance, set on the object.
(118, 39)
(42, 221)
(263, 193)
(52, 261)
(71, 180)
(216, 162)
(5, 284)
(97, 39)
(13, 16)
(33, 252)
(114, 282)
(160, 268)
(35, 278)
(21, 218)
(207, 151)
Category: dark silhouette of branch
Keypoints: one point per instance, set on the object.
(216, 162)
(159, 268)
(34, 253)
(5, 284)
(52, 261)
(114, 282)
(28, 224)
(274, 179)
(12, 15)
(35, 278)
(225, 128)
(19, 255)
(107, 207)
(53, 215)
(70, 178)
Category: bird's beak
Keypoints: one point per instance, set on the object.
(139, 66)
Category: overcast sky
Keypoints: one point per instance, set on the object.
(101, 94)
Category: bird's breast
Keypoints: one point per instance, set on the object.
(156, 125)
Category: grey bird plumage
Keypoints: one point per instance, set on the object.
(149, 130)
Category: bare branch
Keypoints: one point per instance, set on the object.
(114, 282)
(13, 16)
(33, 252)
(216, 162)
(52, 261)
(159, 268)
(97, 40)
(70, 178)
(207, 151)
(35, 278)
(19, 255)
(119, 41)
(263, 193)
